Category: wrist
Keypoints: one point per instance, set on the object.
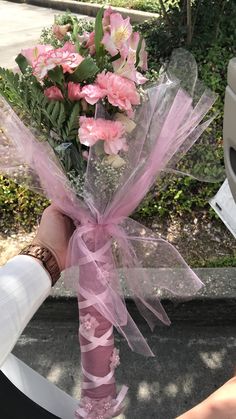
(45, 257)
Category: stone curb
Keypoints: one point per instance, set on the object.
(89, 9)
(214, 304)
(219, 283)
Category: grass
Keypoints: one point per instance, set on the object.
(219, 262)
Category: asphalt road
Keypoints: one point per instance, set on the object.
(191, 362)
(21, 25)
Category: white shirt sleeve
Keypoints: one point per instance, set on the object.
(24, 285)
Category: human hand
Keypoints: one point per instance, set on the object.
(54, 233)
(219, 405)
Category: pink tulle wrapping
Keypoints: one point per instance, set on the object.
(107, 243)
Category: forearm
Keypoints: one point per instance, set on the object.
(24, 285)
(219, 405)
(203, 411)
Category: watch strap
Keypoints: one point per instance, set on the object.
(46, 257)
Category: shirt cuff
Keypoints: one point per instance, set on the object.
(24, 285)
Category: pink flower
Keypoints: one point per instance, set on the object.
(125, 69)
(60, 31)
(87, 131)
(65, 57)
(90, 44)
(115, 359)
(53, 93)
(88, 325)
(88, 41)
(125, 66)
(85, 155)
(106, 18)
(143, 64)
(31, 54)
(74, 91)
(97, 409)
(120, 91)
(111, 132)
(116, 40)
(92, 93)
(132, 55)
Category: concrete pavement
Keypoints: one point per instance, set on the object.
(21, 26)
(191, 362)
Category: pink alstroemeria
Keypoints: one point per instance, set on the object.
(116, 39)
(90, 44)
(132, 55)
(111, 132)
(32, 54)
(74, 91)
(92, 93)
(120, 91)
(126, 69)
(65, 57)
(143, 57)
(88, 41)
(53, 93)
(126, 66)
(106, 18)
(60, 31)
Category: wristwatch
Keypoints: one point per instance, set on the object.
(46, 257)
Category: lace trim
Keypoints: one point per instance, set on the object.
(106, 408)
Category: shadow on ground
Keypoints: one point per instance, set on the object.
(191, 362)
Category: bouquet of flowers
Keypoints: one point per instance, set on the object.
(87, 129)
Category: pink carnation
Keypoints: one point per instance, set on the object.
(120, 91)
(111, 132)
(74, 91)
(53, 93)
(65, 57)
(92, 93)
(87, 131)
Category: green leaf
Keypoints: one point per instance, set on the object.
(99, 34)
(55, 112)
(116, 57)
(85, 71)
(71, 130)
(138, 51)
(62, 116)
(56, 75)
(22, 63)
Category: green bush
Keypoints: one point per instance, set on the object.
(145, 5)
(213, 45)
(19, 206)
